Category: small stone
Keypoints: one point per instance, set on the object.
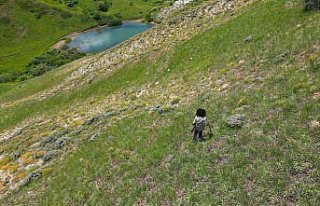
(49, 155)
(63, 132)
(77, 131)
(90, 80)
(110, 114)
(94, 137)
(16, 155)
(32, 176)
(99, 117)
(218, 82)
(282, 56)
(169, 158)
(224, 87)
(248, 39)
(17, 133)
(48, 140)
(157, 109)
(61, 142)
(89, 121)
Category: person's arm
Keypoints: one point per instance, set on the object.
(194, 121)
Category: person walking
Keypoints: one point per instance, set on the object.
(199, 123)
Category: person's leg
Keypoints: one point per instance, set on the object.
(195, 136)
(201, 137)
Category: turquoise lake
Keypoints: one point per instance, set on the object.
(105, 38)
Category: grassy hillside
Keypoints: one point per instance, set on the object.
(128, 9)
(147, 157)
(30, 28)
(24, 37)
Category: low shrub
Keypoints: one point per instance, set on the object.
(106, 20)
(52, 59)
(39, 65)
(148, 18)
(115, 22)
(103, 6)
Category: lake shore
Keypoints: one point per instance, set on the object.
(64, 40)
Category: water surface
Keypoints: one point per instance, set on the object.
(104, 38)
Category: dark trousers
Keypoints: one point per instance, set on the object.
(197, 134)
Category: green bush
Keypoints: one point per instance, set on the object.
(115, 22)
(39, 65)
(52, 59)
(148, 18)
(103, 6)
(106, 20)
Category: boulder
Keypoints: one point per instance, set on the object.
(157, 109)
(77, 131)
(63, 132)
(49, 155)
(99, 117)
(48, 140)
(89, 121)
(17, 133)
(61, 142)
(110, 114)
(32, 176)
(235, 121)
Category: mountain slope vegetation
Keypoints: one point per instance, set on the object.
(126, 133)
(29, 28)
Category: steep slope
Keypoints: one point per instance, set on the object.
(127, 125)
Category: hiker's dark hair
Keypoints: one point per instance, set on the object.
(201, 112)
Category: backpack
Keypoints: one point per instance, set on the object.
(200, 123)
